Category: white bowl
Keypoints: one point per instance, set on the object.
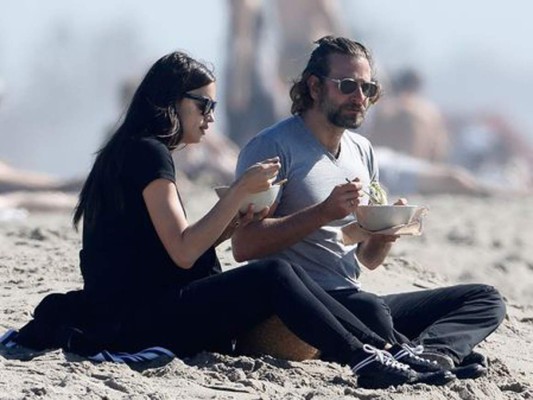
(259, 200)
(379, 217)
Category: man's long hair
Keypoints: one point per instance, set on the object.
(151, 113)
(318, 65)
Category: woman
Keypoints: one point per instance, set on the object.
(151, 278)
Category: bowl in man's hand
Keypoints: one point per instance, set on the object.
(379, 217)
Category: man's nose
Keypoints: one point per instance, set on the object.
(358, 96)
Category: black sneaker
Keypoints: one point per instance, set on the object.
(411, 356)
(439, 378)
(462, 371)
(377, 369)
(475, 358)
(469, 371)
(443, 360)
(429, 372)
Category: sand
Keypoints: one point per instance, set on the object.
(465, 240)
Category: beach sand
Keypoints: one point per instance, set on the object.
(465, 240)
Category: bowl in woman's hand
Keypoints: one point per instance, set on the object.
(259, 200)
(379, 217)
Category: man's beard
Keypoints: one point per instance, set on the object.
(337, 117)
(353, 121)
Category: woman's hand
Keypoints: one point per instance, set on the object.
(240, 221)
(258, 177)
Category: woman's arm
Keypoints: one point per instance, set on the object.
(186, 243)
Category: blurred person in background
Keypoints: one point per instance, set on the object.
(409, 123)
(249, 98)
(492, 149)
(319, 152)
(257, 76)
(22, 191)
(412, 144)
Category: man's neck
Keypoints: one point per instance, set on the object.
(326, 133)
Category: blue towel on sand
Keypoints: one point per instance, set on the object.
(8, 340)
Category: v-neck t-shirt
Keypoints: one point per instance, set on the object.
(312, 173)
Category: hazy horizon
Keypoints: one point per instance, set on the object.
(62, 62)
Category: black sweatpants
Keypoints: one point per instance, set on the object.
(450, 320)
(210, 312)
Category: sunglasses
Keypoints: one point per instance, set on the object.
(205, 104)
(349, 85)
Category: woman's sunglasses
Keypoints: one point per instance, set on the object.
(349, 85)
(206, 105)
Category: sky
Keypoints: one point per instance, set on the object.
(437, 29)
(473, 54)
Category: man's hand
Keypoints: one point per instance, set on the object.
(372, 252)
(343, 200)
(400, 202)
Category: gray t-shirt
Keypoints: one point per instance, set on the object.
(312, 173)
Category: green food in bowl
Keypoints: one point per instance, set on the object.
(377, 195)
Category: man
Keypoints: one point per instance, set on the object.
(318, 155)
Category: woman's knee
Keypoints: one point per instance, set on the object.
(274, 269)
(374, 312)
(374, 305)
(298, 269)
(368, 307)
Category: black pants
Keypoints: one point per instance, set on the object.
(210, 312)
(449, 320)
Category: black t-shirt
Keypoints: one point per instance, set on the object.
(123, 262)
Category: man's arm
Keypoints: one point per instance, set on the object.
(373, 251)
(270, 235)
(262, 238)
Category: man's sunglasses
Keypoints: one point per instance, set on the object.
(349, 85)
(206, 105)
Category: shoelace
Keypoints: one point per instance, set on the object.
(381, 356)
(414, 352)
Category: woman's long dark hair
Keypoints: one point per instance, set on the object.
(152, 113)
